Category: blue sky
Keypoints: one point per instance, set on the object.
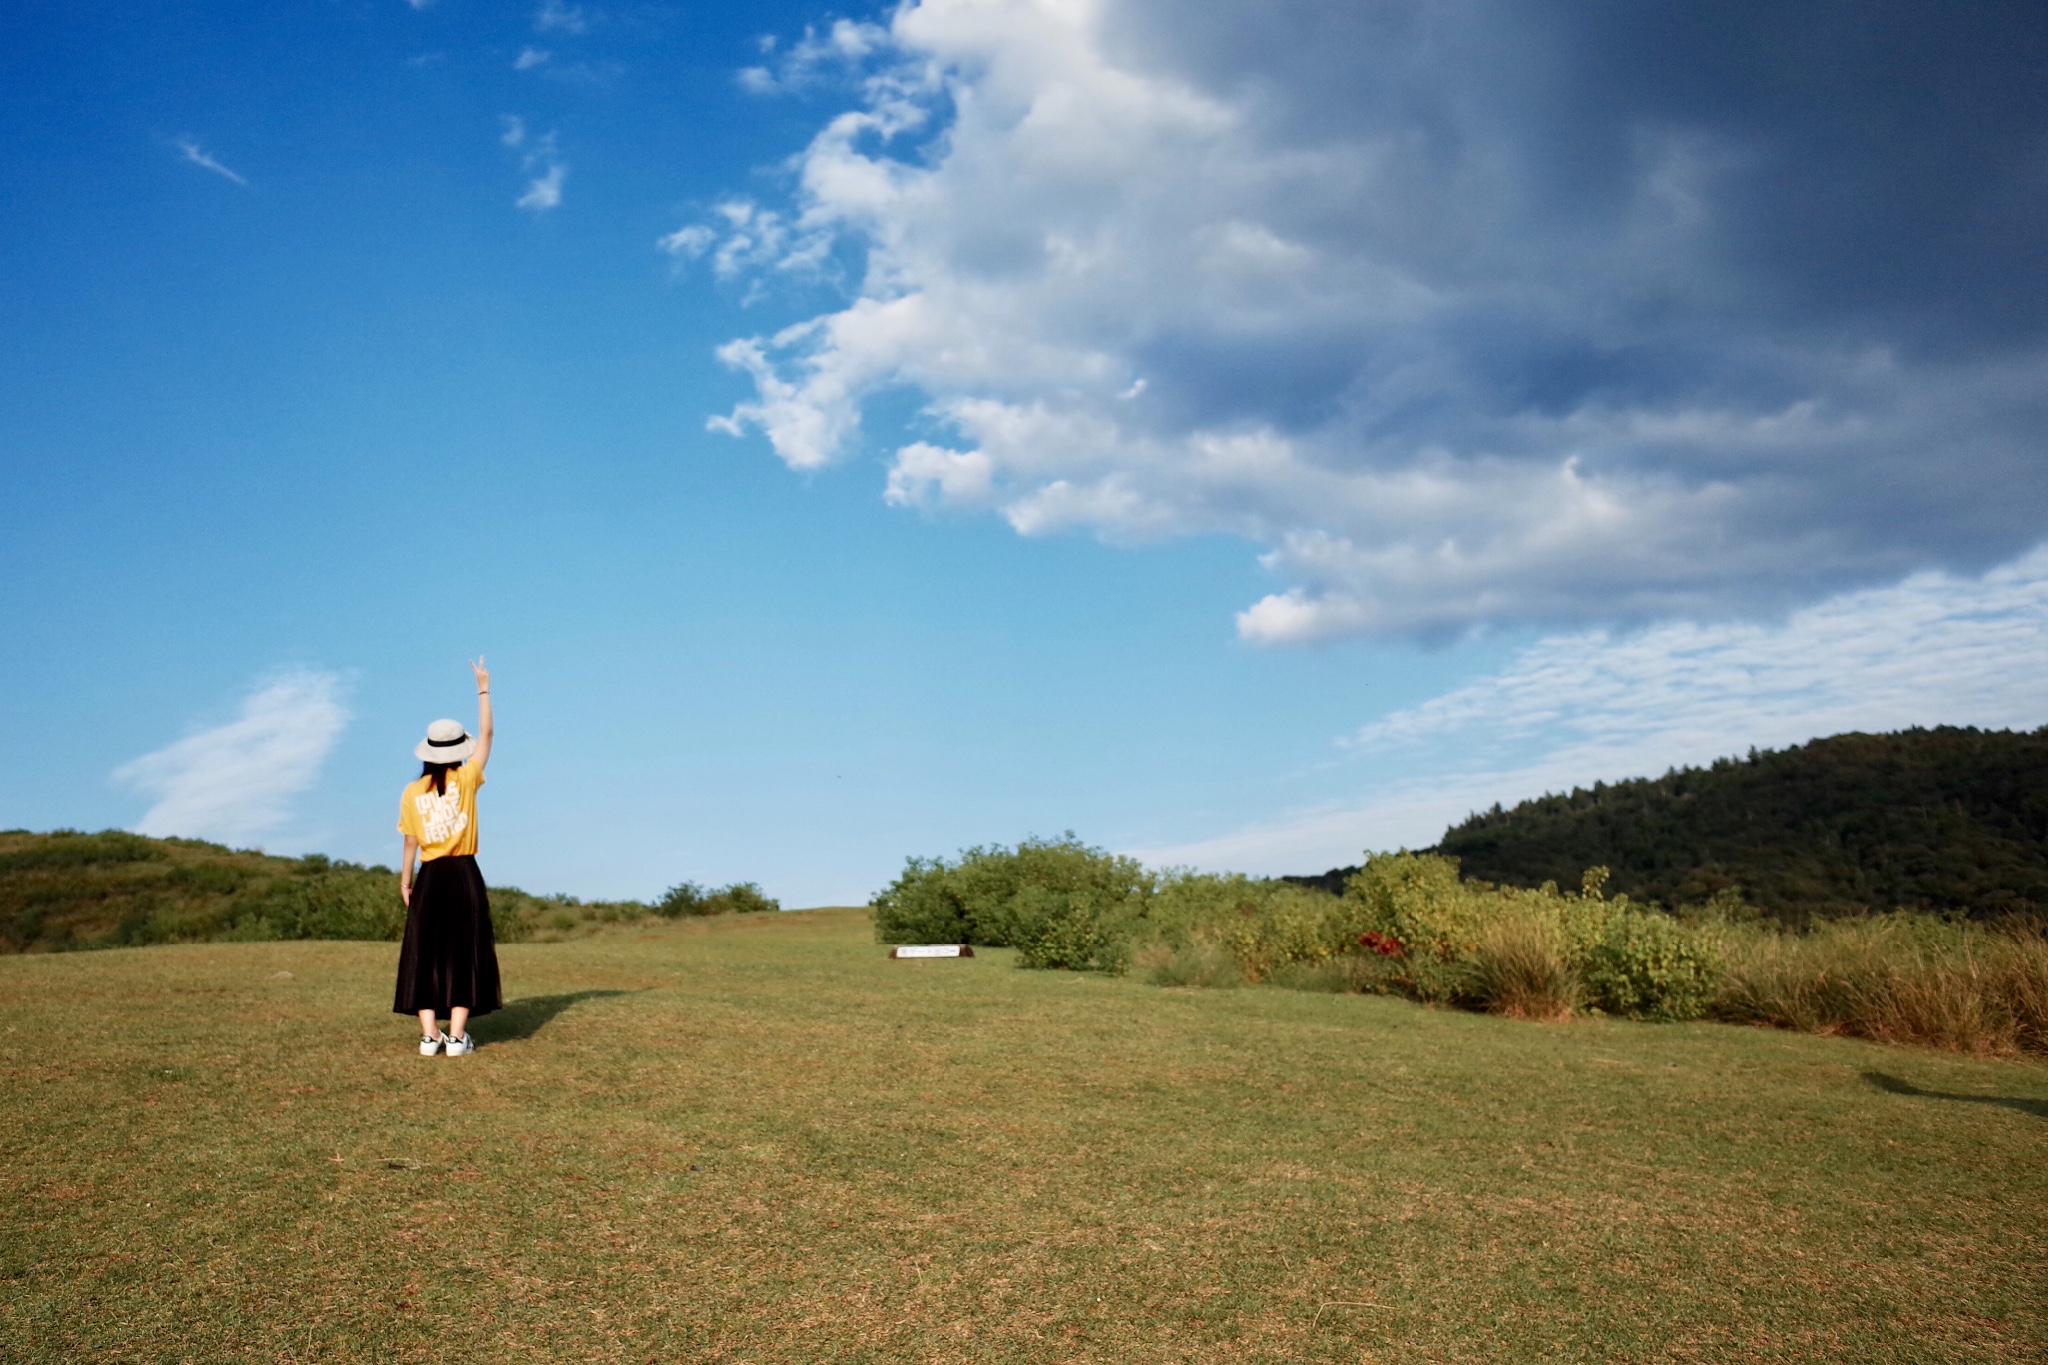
(1243, 434)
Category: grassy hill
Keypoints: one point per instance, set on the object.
(757, 1139)
(66, 890)
(1946, 820)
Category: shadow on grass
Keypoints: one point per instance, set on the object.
(524, 1018)
(1892, 1085)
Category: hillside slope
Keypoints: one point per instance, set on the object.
(1944, 820)
(67, 890)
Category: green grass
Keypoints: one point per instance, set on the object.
(759, 1140)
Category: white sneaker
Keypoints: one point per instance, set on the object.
(430, 1046)
(461, 1047)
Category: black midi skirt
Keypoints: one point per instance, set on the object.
(449, 957)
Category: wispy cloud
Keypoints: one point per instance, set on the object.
(749, 237)
(554, 16)
(193, 153)
(541, 160)
(688, 242)
(530, 57)
(841, 48)
(236, 780)
(1570, 710)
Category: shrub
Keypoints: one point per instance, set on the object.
(1060, 901)
(1068, 929)
(1420, 901)
(688, 898)
(1265, 925)
(741, 898)
(342, 902)
(1646, 965)
(685, 898)
(921, 906)
(1003, 892)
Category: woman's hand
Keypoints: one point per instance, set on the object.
(408, 851)
(483, 713)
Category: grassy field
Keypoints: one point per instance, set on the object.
(758, 1140)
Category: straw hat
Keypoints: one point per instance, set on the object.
(446, 742)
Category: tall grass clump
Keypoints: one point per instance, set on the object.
(1900, 978)
(1520, 968)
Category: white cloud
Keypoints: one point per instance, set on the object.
(544, 191)
(815, 57)
(554, 16)
(1379, 304)
(1573, 709)
(542, 160)
(530, 57)
(191, 151)
(688, 242)
(235, 781)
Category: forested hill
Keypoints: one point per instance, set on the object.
(1944, 819)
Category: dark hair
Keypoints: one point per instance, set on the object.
(439, 772)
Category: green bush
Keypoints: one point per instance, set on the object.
(690, 899)
(920, 906)
(339, 903)
(1647, 965)
(741, 898)
(1060, 901)
(684, 898)
(1071, 929)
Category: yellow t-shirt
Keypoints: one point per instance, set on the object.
(445, 824)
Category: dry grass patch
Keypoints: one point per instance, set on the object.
(1898, 979)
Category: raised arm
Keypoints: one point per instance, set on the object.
(483, 713)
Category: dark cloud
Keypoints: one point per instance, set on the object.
(1884, 166)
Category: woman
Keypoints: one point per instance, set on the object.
(449, 964)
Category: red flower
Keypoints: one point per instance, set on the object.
(1386, 945)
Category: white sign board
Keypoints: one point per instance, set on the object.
(931, 950)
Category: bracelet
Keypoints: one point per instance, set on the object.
(485, 693)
